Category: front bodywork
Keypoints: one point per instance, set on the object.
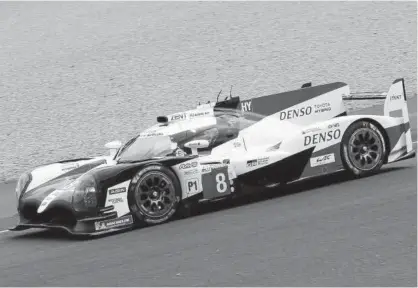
(51, 204)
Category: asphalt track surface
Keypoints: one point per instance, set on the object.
(332, 231)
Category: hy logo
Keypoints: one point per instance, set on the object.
(246, 106)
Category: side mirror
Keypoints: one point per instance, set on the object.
(196, 144)
(113, 147)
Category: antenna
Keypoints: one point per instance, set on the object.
(218, 96)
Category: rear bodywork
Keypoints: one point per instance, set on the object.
(261, 141)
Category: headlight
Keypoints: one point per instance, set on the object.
(85, 193)
(23, 183)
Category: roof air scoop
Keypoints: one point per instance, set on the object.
(162, 119)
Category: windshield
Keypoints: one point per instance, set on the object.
(143, 148)
(225, 125)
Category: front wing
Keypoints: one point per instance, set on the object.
(87, 227)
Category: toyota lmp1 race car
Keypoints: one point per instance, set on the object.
(215, 152)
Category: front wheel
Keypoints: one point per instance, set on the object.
(363, 148)
(155, 194)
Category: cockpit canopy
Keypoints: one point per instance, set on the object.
(169, 139)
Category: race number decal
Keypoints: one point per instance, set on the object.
(216, 183)
(192, 186)
(221, 186)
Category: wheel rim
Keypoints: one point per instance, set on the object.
(365, 149)
(155, 194)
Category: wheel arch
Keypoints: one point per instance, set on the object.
(158, 163)
(132, 184)
(382, 130)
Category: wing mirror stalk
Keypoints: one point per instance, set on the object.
(197, 144)
(113, 147)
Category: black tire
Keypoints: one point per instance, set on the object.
(154, 195)
(363, 148)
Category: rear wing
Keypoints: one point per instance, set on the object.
(395, 104)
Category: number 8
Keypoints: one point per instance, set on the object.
(221, 185)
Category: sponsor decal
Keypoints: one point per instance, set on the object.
(252, 163)
(116, 190)
(322, 137)
(237, 144)
(199, 114)
(117, 196)
(151, 134)
(116, 200)
(206, 169)
(107, 224)
(259, 161)
(322, 160)
(295, 113)
(215, 166)
(305, 111)
(181, 116)
(263, 161)
(226, 161)
(191, 172)
(70, 166)
(187, 165)
(190, 115)
(395, 97)
(335, 125)
(324, 107)
(246, 105)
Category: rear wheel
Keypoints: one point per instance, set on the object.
(363, 148)
(155, 194)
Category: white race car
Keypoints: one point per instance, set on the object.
(213, 152)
